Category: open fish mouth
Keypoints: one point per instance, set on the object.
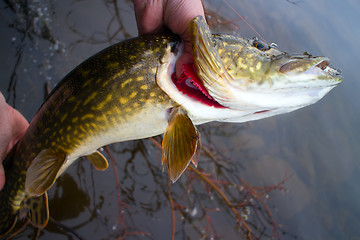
(324, 65)
(317, 67)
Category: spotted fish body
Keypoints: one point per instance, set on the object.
(111, 97)
(126, 92)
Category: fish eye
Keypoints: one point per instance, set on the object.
(262, 46)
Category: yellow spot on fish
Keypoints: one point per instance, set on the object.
(84, 73)
(53, 134)
(133, 94)
(105, 83)
(103, 103)
(127, 109)
(118, 74)
(76, 132)
(123, 84)
(242, 65)
(95, 126)
(221, 51)
(112, 65)
(147, 53)
(89, 115)
(68, 128)
(154, 70)
(91, 97)
(138, 65)
(100, 118)
(258, 66)
(99, 80)
(61, 131)
(87, 82)
(62, 148)
(81, 135)
(135, 105)
(152, 94)
(53, 143)
(82, 129)
(132, 56)
(71, 98)
(144, 87)
(75, 119)
(140, 78)
(62, 119)
(46, 130)
(123, 100)
(76, 106)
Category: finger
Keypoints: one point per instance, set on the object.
(19, 127)
(149, 16)
(178, 14)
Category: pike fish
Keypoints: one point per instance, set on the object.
(129, 91)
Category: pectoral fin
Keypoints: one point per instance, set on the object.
(98, 160)
(181, 144)
(38, 210)
(42, 172)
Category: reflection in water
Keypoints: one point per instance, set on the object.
(133, 199)
(68, 194)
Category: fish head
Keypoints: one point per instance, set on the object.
(263, 77)
(251, 76)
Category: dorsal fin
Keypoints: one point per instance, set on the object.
(98, 160)
(180, 144)
(43, 170)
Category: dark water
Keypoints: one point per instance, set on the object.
(316, 149)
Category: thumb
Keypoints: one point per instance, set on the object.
(149, 16)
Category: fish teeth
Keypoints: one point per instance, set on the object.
(332, 71)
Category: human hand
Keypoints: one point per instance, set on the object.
(12, 127)
(153, 15)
